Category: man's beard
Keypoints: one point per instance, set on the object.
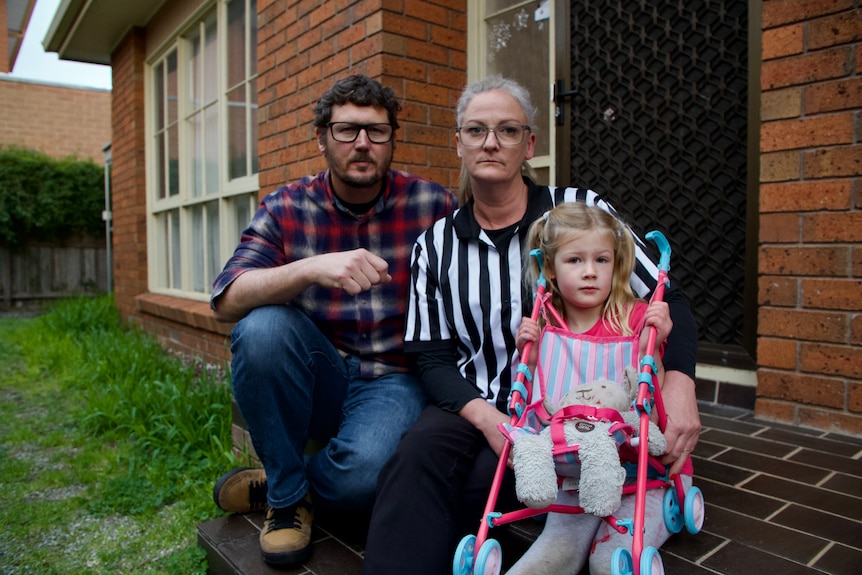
(366, 180)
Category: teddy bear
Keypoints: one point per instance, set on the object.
(601, 474)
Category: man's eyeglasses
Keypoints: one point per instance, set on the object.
(347, 132)
(506, 134)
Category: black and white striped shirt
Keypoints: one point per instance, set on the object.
(467, 299)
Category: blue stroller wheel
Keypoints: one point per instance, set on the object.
(464, 554)
(621, 562)
(695, 510)
(489, 561)
(672, 511)
(651, 563)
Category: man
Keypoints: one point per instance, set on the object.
(318, 285)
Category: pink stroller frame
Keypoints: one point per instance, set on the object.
(480, 555)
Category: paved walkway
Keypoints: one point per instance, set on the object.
(779, 500)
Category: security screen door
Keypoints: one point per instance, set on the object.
(659, 124)
(647, 103)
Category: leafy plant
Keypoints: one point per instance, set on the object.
(49, 199)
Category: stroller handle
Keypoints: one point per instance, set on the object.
(663, 248)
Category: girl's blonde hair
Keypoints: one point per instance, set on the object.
(565, 223)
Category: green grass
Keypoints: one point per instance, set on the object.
(109, 447)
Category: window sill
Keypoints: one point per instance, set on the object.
(191, 313)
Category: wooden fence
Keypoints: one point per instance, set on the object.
(41, 272)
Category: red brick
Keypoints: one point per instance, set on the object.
(806, 196)
(802, 325)
(838, 360)
(772, 410)
(832, 294)
(856, 330)
(779, 228)
(405, 26)
(784, 41)
(778, 291)
(824, 65)
(836, 29)
(778, 12)
(806, 133)
(428, 12)
(830, 96)
(827, 420)
(832, 227)
(777, 353)
(854, 397)
(798, 388)
(833, 162)
(804, 261)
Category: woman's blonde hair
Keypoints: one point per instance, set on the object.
(565, 223)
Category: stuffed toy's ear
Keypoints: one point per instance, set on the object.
(630, 382)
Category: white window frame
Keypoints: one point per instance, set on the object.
(235, 200)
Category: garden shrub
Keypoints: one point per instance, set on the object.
(47, 199)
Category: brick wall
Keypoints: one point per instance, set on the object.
(128, 182)
(416, 48)
(57, 120)
(810, 259)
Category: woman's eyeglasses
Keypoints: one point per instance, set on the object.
(506, 134)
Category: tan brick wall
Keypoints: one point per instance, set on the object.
(810, 285)
(57, 120)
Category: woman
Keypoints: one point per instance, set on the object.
(466, 303)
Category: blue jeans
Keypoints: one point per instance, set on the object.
(292, 386)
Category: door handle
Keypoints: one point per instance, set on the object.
(560, 94)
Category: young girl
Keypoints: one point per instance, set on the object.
(587, 256)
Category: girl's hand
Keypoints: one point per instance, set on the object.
(528, 331)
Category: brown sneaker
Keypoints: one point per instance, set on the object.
(241, 490)
(286, 535)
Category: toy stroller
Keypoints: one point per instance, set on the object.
(481, 555)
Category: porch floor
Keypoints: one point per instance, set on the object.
(779, 499)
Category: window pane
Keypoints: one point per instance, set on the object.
(172, 87)
(252, 40)
(210, 60)
(214, 259)
(236, 42)
(236, 137)
(160, 166)
(517, 42)
(176, 280)
(173, 161)
(196, 133)
(197, 233)
(211, 143)
(253, 124)
(195, 71)
(159, 95)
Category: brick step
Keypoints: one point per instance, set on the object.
(232, 548)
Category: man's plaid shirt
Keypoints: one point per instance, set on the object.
(305, 219)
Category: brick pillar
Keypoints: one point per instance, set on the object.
(416, 48)
(128, 181)
(810, 258)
